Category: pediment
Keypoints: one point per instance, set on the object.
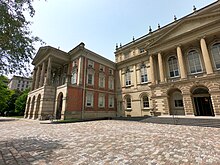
(188, 25)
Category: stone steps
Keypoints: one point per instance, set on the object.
(194, 121)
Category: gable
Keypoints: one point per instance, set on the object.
(188, 25)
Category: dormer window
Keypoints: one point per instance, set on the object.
(101, 68)
(110, 71)
(90, 64)
(141, 50)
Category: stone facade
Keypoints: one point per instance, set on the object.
(174, 70)
(20, 83)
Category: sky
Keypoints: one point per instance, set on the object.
(100, 24)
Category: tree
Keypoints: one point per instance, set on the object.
(4, 94)
(10, 108)
(20, 103)
(16, 40)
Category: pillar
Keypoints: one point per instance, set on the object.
(37, 77)
(42, 75)
(152, 70)
(181, 63)
(48, 79)
(161, 69)
(206, 57)
(134, 76)
(34, 79)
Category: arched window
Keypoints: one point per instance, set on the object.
(144, 78)
(145, 101)
(173, 66)
(128, 102)
(128, 77)
(194, 62)
(216, 54)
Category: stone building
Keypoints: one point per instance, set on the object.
(19, 83)
(77, 84)
(174, 70)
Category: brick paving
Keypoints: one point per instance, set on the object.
(106, 142)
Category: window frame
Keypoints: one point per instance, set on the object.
(101, 100)
(194, 62)
(174, 69)
(101, 81)
(111, 99)
(88, 78)
(128, 78)
(128, 102)
(213, 55)
(89, 100)
(144, 76)
(145, 102)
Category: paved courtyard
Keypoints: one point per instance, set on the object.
(106, 142)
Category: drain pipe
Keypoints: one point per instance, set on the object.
(84, 87)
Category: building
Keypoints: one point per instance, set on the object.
(174, 70)
(77, 84)
(19, 83)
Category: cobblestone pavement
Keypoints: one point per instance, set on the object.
(106, 142)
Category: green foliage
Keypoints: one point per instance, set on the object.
(16, 40)
(20, 103)
(4, 94)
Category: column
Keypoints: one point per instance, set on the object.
(34, 79)
(134, 76)
(181, 63)
(206, 57)
(37, 77)
(48, 72)
(161, 69)
(42, 75)
(80, 69)
(152, 69)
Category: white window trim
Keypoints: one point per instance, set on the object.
(111, 81)
(101, 96)
(111, 97)
(92, 99)
(88, 79)
(90, 64)
(101, 76)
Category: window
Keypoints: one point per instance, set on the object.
(111, 101)
(145, 101)
(126, 55)
(18, 85)
(216, 54)
(178, 103)
(141, 50)
(73, 78)
(110, 71)
(90, 78)
(26, 86)
(128, 77)
(101, 68)
(111, 83)
(144, 78)
(128, 102)
(89, 99)
(74, 64)
(101, 100)
(194, 62)
(101, 81)
(173, 66)
(90, 64)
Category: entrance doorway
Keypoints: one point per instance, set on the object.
(59, 106)
(202, 102)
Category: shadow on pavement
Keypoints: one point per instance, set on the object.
(30, 150)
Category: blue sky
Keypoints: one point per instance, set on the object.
(100, 24)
